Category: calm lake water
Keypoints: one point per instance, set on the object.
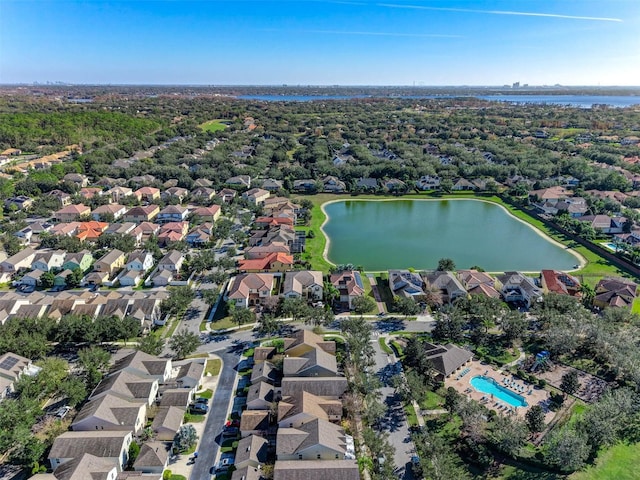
(582, 101)
(382, 235)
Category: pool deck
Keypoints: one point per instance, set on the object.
(538, 395)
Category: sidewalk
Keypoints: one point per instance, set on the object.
(181, 464)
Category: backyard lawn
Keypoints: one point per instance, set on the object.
(619, 462)
(213, 126)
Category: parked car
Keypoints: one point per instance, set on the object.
(62, 412)
(198, 408)
(230, 432)
(202, 401)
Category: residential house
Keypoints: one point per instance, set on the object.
(462, 184)
(271, 222)
(554, 281)
(326, 387)
(47, 260)
(449, 286)
(200, 236)
(250, 289)
(394, 185)
(83, 467)
(19, 202)
(172, 232)
(207, 214)
(349, 285)
(12, 367)
(478, 283)
(275, 262)
(142, 214)
(333, 184)
(260, 396)
(428, 182)
(203, 182)
(90, 231)
(24, 235)
(316, 470)
(256, 196)
(314, 363)
(163, 278)
(307, 185)
(139, 180)
(615, 292)
(14, 263)
(178, 193)
(605, 223)
(406, 284)
(145, 230)
(77, 179)
(265, 372)
(130, 278)
(176, 397)
(304, 407)
(261, 251)
(152, 458)
(315, 440)
(110, 212)
(241, 181)
(172, 213)
(518, 288)
(167, 422)
(60, 280)
(190, 373)
(82, 260)
(252, 451)
(305, 284)
(63, 197)
(227, 195)
(272, 185)
(147, 194)
(109, 412)
(172, 261)
(551, 193)
(140, 260)
(113, 445)
(89, 192)
(143, 364)
(120, 228)
(110, 262)
(367, 184)
(71, 213)
(254, 422)
(303, 341)
(119, 193)
(203, 193)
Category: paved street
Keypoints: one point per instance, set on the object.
(209, 442)
(395, 421)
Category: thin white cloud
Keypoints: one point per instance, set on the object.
(358, 32)
(501, 12)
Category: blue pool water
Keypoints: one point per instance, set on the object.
(611, 246)
(489, 386)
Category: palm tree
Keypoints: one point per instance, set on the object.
(588, 294)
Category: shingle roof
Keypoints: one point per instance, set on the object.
(152, 454)
(305, 402)
(142, 362)
(111, 409)
(169, 418)
(320, 386)
(252, 449)
(298, 281)
(316, 470)
(126, 385)
(448, 358)
(264, 371)
(86, 467)
(178, 397)
(254, 420)
(316, 432)
(316, 357)
(101, 444)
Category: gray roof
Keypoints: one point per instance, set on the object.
(247, 473)
(315, 359)
(260, 391)
(298, 281)
(252, 449)
(264, 371)
(305, 402)
(316, 470)
(126, 385)
(85, 467)
(316, 432)
(448, 358)
(254, 420)
(177, 397)
(101, 444)
(169, 418)
(319, 386)
(142, 362)
(193, 369)
(152, 454)
(112, 409)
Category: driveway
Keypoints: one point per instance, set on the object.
(395, 420)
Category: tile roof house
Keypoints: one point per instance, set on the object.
(147, 194)
(615, 292)
(261, 251)
(316, 470)
(207, 214)
(274, 262)
(142, 214)
(167, 422)
(349, 285)
(478, 283)
(256, 196)
(315, 440)
(203, 193)
(71, 213)
(605, 223)
(406, 284)
(554, 281)
(172, 232)
(518, 288)
(89, 192)
(119, 193)
(110, 412)
(200, 235)
(303, 407)
(112, 445)
(106, 211)
(305, 284)
(250, 289)
(552, 193)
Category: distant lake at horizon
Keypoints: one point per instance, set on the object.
(582, 101)
(382, 235)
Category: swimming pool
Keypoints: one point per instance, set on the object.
(491, 387)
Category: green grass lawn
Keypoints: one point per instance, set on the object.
(208, 393)
(213, 126)
(222, 324)
(193, 418)
(383, 345)
(619, 462)
(213, 367)
(412, 418)
(636, 305)
(432, 401)
(496, 354)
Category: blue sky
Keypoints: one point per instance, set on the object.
(350, 42)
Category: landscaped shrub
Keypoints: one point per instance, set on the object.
(542, 382)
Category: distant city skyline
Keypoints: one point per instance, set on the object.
(321, 42)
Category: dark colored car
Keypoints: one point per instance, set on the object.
(202, 401)
(230, 432)
(198, 408)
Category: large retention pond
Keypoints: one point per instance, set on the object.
(382, 235)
